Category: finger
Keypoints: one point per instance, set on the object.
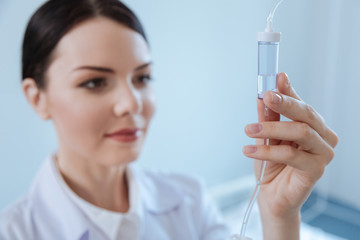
(300, 133)
(299, 111)
(273, 116)
(284, 86)
(285, 154)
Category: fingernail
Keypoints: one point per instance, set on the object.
(253, 128)
(250, 149)
(276, 98)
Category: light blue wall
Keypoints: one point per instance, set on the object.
(205, 56)
(24, 139)
(335, 90)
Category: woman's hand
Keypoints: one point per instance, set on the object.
(297, 156)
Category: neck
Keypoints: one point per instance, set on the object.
(103, 186)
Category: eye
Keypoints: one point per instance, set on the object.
(94, 83)
(143, 79)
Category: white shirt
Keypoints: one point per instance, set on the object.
(114, 225)
(162, 206)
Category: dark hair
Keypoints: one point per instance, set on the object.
(54, 19)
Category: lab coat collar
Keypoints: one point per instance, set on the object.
(51, 204)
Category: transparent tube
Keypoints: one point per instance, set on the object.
(272, 13)
(267, 67)
(254, 195)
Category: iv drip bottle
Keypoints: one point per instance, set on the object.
(268, 64)
(268, 60)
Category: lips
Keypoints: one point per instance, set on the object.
(125, 135)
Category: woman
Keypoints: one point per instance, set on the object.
(87, 66)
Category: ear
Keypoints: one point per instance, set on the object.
(36, 98)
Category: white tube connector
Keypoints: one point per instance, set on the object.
(269, 35)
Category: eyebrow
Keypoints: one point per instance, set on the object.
(143, 66)
(109, 70)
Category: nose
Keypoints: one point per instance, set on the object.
(128, 101)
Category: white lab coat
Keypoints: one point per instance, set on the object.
(172, 206)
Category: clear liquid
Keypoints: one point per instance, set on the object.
(267, 67)
(268, 58)
(266, 82)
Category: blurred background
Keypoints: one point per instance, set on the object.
(205, 55)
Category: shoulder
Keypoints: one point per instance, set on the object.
(185, 196)
(15, 220)
(165, 190)
(14, 211)
(186, 184)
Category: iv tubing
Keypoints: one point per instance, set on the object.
(257, 188)
(272, 12)
(242, 236)
(271, 16)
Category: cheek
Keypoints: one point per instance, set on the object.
(78, 122)
(149, 105)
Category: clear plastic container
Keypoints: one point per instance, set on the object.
(268, 64)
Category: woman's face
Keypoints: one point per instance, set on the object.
(98, 84)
